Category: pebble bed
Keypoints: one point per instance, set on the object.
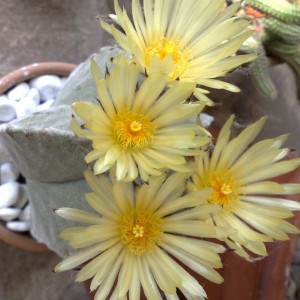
(23, 99)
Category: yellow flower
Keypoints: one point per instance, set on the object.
(133, 240)
(192, 40)
(241, 179)
(139, 131)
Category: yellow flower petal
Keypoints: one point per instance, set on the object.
(185, 39)
(240, 174)
(128, 127)
(132, 243)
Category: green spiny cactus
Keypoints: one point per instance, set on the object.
(277, 23)
(261, 78)
(279, 9)
(289, 32)
(292, 58)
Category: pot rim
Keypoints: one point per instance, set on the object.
(33, 70)
(21, 241)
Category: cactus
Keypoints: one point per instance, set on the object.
(278, 30)
(278, 9)
(261, 77)
(281, 29)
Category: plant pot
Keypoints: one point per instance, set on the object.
(21, 240)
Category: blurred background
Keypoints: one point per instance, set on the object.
(51, 30)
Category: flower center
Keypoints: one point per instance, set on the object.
(140, 231)
(224, 189)
(164, 47)
(133, 131)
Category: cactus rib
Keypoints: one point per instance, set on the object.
(292, 59)
(279, 9)
(261, 78)
(288, 32)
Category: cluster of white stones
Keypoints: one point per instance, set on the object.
(14, 206)
(26, 98)
(20, 101)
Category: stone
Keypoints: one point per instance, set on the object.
(4, 98)
(45, 105)
(47, 85)
(25, 214)
(20, 226)
(8, 172)
(7, 110)
(9, 194)
(25, 107)
(34, 95)
(18, 92)
(206, 120)
(9, 213)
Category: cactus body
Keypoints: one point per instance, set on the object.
(288, 32)
(280, 9)
(279, 47)
(261, 78)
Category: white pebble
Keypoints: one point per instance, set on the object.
(34, 95)
(18, 92)
(9, 213)
(25, 107)
(25, 214)
(47, 85)
(45, 105)
(20, 226)
(8, 172)
(7, 110)
(4, 98)
(23, 196)
(9, 194)
(206, 120)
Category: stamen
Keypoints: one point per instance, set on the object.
(133, 131)
(224, 189)
(135, 126)
(162, 48)
(140, 231)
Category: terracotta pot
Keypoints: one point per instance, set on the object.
(25, 241)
